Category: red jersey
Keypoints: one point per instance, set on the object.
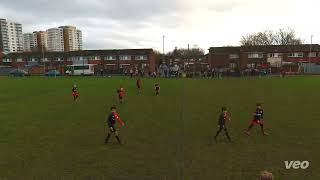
(113, 117)
(75, 92)
(121, 92)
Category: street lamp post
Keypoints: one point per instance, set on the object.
(82, 65)
(44, 63)
(163, 59)
(310, 53)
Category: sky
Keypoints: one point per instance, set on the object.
(112, 24)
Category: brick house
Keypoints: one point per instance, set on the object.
(116, 60)
(273, 56)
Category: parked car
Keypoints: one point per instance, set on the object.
(18, 73)
(52, 73)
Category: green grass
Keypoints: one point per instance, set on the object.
(44, 135)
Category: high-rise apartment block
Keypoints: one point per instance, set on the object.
(30, 42)
(63, 38)
(55, 39)
(11, 38)
(72, 38)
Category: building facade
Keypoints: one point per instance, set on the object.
(30, 42)
(63, 38)
(72, 38)
(110, 61)
(252, 57)
(11, 37)
(55, 40)
(42, 40)
(79, 39)
(4, 41)
(36, 41)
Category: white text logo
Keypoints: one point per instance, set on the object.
(296, 164)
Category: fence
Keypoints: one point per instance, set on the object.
(311, 68)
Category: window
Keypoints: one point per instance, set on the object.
(296, 54)
(141, 58)
(6, 60)
(255, 55)
(275, 55)
(233, 56)
(125, 57)
(57, 59)
(110, 58)
(80, 67)
(251, 66)
(233, 65)
(312, 54)
(91, 58)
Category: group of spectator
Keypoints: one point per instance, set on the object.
(213, 73)
(208, 73)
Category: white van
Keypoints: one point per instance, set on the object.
(81, 69)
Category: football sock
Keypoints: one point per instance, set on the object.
(250, 127)
(262, 129)
(117, 137)
(108, 137)
(227, 134)
(217, 133)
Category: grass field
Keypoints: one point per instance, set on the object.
(44, 135)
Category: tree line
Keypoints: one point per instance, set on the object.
(268, 37)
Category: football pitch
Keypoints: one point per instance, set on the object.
(45, 135)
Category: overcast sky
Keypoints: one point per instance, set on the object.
(142, 23)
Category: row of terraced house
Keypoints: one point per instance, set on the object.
(294, 58)
(113, 61)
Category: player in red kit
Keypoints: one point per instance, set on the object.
(121, 94)
(257, 120)
(139, 85)
(157, 89)
(75, 92)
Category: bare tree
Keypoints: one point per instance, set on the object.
(287, 37)
(269, 37)
(195, 52)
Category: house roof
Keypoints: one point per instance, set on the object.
(266, 49)
(82, 53)
(235, 49)
(281, 48)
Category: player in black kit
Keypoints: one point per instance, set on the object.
(223, 118)
(112, 118)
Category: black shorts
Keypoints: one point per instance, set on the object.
(222, 126)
